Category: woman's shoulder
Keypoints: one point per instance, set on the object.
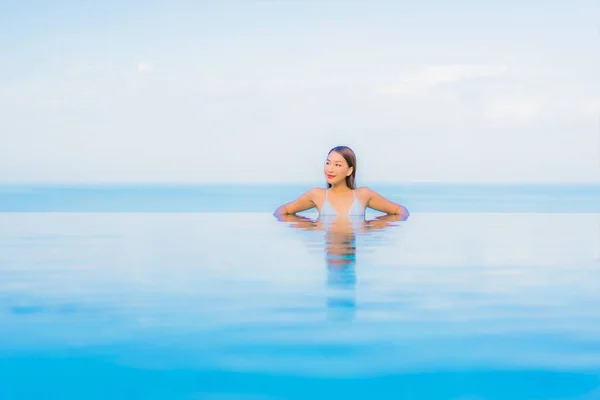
(364, 191)
(315, 192)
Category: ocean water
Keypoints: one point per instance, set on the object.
(198, 292)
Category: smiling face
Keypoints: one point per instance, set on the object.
(336, 169)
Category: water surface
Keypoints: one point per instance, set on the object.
(237, 305)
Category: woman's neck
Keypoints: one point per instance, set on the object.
(341, 188)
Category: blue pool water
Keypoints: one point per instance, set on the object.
(198, 292)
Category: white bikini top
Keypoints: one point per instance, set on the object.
(356, 209)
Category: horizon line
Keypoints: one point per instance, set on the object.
(286, 183)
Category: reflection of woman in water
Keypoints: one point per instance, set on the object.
(341, 198)
(340, 255)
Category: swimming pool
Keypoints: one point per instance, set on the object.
(215, 304)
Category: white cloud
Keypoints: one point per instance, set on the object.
(431, 76)
(145, 67)
(528, 105)
(513, 108)
(434, 75)
(184, 126)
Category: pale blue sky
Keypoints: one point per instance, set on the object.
(258, 91)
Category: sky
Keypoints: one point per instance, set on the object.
(259, 91)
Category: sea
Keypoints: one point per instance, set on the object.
(139, 291)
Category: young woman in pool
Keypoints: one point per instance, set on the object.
(341, 198)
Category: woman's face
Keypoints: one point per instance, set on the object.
(336, 168)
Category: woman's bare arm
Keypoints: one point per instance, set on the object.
(302, 203)
(380, 203)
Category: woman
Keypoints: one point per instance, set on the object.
(341, 198)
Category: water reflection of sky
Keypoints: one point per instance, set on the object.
(226, 294)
